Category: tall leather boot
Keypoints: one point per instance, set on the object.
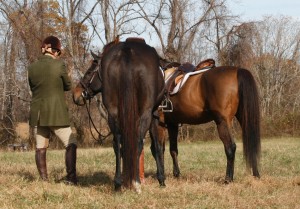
(71, 156)
(40, 160)
(142, 174)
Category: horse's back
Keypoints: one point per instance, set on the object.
(207, 96)
(216, 78)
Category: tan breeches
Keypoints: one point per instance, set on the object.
(42, 134)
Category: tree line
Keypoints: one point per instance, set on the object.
(180, 30)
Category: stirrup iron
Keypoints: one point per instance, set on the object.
(167, 105)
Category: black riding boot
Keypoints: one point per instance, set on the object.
(71, 155)
(40, 160)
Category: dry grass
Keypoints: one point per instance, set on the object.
(200, 186)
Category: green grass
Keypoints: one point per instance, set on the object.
(200, 186)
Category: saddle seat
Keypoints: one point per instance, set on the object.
(184, 69)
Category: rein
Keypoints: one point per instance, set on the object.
(86, 95)
(101, 137)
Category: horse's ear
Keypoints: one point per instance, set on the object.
(117, 39)
(95, 56)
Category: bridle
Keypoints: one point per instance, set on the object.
(88, 94)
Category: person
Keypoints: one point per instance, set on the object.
(142, 167)
(48, 80)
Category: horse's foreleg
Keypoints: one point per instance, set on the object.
(230, 147)
(157, 149)
(117, 150)
(173, 134)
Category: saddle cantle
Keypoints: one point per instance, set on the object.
(208, 63)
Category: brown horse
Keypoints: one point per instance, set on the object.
(132, 86)
(219, 95)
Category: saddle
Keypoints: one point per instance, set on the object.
(175, 76)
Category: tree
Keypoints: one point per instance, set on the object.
(182, 21)
(28, 23)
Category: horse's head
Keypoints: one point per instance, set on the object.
(90, 84)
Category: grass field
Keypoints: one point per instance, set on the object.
(200, 186)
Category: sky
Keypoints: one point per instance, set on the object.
(257, 9)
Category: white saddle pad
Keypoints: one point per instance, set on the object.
(184, 79)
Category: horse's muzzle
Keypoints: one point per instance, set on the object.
(78, 97)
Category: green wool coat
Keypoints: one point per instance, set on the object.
(48, 79)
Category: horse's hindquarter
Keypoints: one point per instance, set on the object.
(141, 66)
(221, 87)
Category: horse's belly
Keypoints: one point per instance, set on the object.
(185, 117)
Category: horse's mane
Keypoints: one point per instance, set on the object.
(110, 44)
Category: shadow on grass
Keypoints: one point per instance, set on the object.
(150, 174)
(96, 179)
(27, 176)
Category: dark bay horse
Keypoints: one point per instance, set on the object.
(132, 86)
(219, 95)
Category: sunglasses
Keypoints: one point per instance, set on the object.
(56, 50)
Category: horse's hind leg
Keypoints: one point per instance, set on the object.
(117, 150)
(173, 134)
(157, 149)
(230, 147)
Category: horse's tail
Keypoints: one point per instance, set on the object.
(248, 115)
(128, 119)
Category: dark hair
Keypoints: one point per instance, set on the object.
(52, 42)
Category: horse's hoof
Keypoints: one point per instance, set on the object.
(117, 187)
(176, 174)
(162, 185)
(257, 176)
(137, 187)
(228, 181)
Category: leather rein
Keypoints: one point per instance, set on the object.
(88, 94)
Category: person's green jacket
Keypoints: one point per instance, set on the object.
(48, 79)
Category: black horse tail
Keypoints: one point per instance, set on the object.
(248, 115)
(128, 119)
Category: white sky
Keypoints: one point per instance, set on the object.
(256, 9)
